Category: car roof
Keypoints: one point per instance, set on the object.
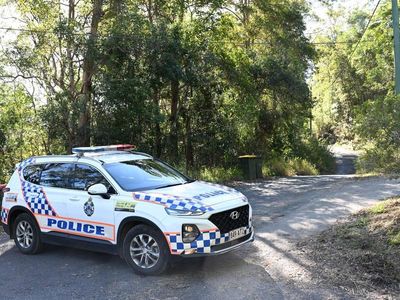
(101, 157)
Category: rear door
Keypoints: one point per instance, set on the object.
(46, 190)
(92, 216)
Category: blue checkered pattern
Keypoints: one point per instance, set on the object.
(202, 244)
(4, 215)
(36, 199)
(173, 202)
(33, 194)
(26, 162)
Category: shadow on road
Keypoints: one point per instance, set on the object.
(65, 273)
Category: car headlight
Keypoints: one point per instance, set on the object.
(183, 212)
(244, 199)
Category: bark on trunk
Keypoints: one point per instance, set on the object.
(157, 127)
(89, 68)
(173, 136)
(188, 142)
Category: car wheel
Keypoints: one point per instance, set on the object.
(145, 250)
(26, 234)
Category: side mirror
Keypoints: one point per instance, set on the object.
(99, 189)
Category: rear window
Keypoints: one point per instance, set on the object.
(144, 174)
(31, 173)
(59, 175)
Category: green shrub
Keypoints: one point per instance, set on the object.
(317, 154)
(219, 174)
(395, 239)
(277, 167)
(378, 208)
(379, 160)
(303, 167)
(288, 167)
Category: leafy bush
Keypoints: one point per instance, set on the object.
(310, 157)
(379, 160)
(303, 167)
(278, 167)
(289, 167)
(219, 174)
(379, 129)
(317, 154)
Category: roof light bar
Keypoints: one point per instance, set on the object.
(121, 147)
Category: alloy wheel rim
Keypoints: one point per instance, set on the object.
(24, 234)
(144, 251)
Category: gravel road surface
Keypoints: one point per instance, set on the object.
(285, 210)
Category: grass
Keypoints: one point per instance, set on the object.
(219, 174)
(361, 254)
(289, 167)
(395, 239)
(274, 167)
(378, 208)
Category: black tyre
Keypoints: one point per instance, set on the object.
(26, 234)
(146, 250)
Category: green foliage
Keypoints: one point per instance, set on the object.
(379, 160)
(395, 239)
(378, 208)
(379, 129)
(195, 83)
(304, 167)
(289, 167)
(21, 134)
(278, 167)
(219, 174)
(353, 88)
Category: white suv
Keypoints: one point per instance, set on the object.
(114, 200)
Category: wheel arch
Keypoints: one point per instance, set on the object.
(127, 223)
(15, 211)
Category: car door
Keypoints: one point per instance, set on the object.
(46, 191)
(91, 216)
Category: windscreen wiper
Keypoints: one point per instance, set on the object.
(169, 185)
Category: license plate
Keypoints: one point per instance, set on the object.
(237, 233)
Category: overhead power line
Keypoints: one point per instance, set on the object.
(366, 28)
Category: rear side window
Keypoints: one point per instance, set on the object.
(85, 176)
(58, 175)
(31, 173)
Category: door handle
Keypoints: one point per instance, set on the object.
(74, 199)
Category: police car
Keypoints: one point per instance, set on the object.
(115, 200)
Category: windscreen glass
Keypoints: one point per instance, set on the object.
(144, 174)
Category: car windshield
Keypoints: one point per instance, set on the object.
(144, 174)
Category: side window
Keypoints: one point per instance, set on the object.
(31, 173)
(85, 176)
(57, 175)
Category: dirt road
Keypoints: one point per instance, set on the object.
(285, 210)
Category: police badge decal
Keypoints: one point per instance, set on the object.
(88, 207)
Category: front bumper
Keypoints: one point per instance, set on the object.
(226, 247)
(211, 242)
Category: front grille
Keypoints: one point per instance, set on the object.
(225, 223)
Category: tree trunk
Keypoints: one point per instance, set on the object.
(188, 142)
(157, 127)
(89, 67)
(173, 136)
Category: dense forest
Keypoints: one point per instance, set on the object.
(353, 86)
(196, 83)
